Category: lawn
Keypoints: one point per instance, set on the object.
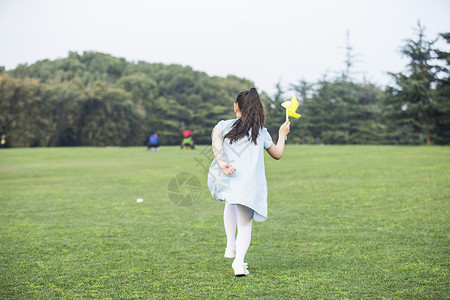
(344, 222)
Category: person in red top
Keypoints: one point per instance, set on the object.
(187, 141)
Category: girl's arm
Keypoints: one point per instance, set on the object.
(217, 144)
(276, 151)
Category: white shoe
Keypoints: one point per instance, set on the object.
(230, 253)
(240, 269)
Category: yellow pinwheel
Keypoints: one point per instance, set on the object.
(291, 107)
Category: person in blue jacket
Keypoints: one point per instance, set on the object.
(153, 142)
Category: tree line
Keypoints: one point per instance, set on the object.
(95, 99)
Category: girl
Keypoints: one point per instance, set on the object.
(237, 174)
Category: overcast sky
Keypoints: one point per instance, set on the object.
(264, 41)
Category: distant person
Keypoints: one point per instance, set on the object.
(237, 174)
(153, 142)
(187, 141)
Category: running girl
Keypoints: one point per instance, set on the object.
(237, 174)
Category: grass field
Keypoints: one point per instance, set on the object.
(344, 222)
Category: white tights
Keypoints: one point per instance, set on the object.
(240, 215)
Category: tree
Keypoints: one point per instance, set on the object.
(97, 99)
(442, 96)
(411, 100)
(23, 112)
(67, 99)
(275, 113)
(303, 90)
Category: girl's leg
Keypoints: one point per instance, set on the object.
(230, 221)
(244, 220)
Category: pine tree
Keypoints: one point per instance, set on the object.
(442, 95)
(412, 99)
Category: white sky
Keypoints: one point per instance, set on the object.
(264, 41)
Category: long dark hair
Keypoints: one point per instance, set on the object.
(253, 116)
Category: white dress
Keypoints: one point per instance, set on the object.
(248, 185)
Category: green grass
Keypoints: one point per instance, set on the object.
(344, 222)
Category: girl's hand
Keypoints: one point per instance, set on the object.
(227, 168)
(285, 128)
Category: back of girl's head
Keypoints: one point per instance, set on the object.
(252, 117)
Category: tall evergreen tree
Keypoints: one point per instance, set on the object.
(303, 90)
(275, 113)
(442, 95)
(411, 100)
